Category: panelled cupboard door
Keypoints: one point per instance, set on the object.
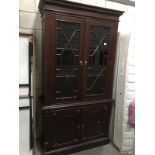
(61, 128)
(95, 122)
(69, 53)
(97, 59)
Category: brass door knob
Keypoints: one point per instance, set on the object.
(81, 63)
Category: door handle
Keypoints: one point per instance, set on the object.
(81, 63)
(85, 63)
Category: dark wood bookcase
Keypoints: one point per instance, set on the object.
(79, 43)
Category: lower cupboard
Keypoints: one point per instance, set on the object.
(71, 127)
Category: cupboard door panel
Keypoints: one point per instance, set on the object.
(97, 58)
(61, 129)
(97, 64)
(95, 122)
(68, 57)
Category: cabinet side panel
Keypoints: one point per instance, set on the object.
(49, 58)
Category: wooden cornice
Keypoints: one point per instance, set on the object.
(76, 6)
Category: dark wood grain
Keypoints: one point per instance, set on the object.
(78, 147)
(49, 48)
(64, 6)
(75, 124)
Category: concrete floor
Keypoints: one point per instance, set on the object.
(108, 149)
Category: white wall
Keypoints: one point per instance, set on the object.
(24, 132)
(123, 90)
(119, 87)
(128, 131)
(30, 23)
(24, 114)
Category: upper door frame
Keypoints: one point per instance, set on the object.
(110, 61)
(81, 21)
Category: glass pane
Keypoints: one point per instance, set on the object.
(67, 56)
(97, 63)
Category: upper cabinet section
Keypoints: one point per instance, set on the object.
(78, 9)
(79, 44)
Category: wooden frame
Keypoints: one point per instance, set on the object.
(86, 119)
(78, 21)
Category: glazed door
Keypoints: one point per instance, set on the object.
(98, 60)
(69, 55)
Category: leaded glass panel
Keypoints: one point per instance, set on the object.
(67, 59)
(97, 61)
